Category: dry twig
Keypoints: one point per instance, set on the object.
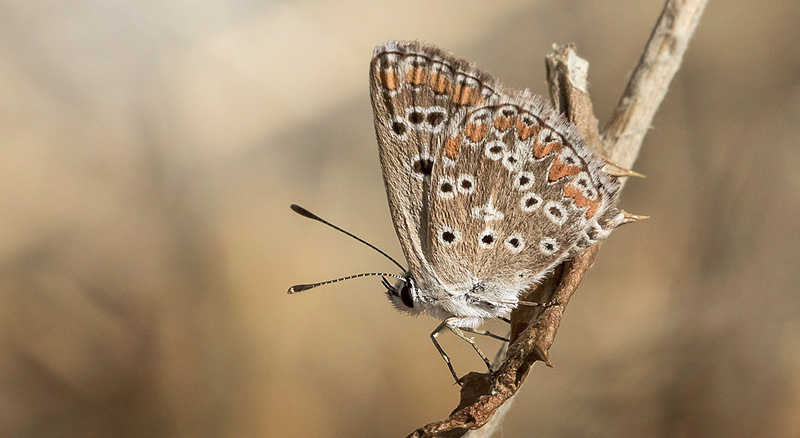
(534, 329)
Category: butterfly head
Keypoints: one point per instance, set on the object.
(404, 294)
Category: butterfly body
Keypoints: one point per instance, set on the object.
(467, 304)
(489, 187)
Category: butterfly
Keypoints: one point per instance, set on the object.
(489, 188)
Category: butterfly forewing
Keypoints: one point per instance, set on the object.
(419, 96)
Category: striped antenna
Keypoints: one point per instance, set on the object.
(301, 287)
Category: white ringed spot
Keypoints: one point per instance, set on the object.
(466, 184)
(523, 181)
(446, 188)
(568, 157)
(549, 136)
(421, 166)
(487, 238)
(495, 150)
(435, 119)
(555, 212)
(511, 161)
(448, 236)
(582, 181)
(515, 243)
(508, 111)
(398, 128)
(416, 117)
(530, 202)
(548, 246)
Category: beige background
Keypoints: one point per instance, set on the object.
(150, 151)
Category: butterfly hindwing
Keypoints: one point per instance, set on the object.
(486, 185)
(534, 194)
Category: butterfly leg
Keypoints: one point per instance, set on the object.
(434, 335)
(535, 304)
(471, 341)
(487, 333)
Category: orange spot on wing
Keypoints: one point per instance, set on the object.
(540, 150)
(560, 170)
(416, 76)
(440, 84)
(466, 96)
(525, 132)
(389, 79)
(476, 132)
(452, 147)
(503, 123)
(582, 201)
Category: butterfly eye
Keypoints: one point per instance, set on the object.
(405, 296)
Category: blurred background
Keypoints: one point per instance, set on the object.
(150, 151)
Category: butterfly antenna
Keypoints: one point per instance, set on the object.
(301, 287)
(305, 213)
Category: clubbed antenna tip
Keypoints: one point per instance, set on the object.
(303, 212)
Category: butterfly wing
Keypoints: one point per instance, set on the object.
(420, 96)
(489, 187)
